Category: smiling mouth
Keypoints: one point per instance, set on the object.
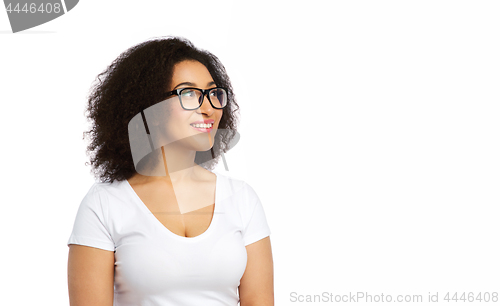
(202, 127)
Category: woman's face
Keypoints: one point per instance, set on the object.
(190, 73)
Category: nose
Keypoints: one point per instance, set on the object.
(206, 106)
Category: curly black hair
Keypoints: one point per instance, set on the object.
(134, 81)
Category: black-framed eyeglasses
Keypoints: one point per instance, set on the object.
(192, 98)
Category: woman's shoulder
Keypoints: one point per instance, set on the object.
(108, 186)
(235, 186)
(103, 191)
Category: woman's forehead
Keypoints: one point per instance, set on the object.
(191, 73)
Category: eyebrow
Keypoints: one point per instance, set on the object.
(193, 84)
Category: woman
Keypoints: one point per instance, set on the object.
(160, 229)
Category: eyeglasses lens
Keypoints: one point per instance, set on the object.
(218, 97)
(190, 98)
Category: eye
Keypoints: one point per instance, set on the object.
(188, 93)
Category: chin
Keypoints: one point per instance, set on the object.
(200, 144)
(203, 148)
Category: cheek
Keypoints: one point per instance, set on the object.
(173, 120)
(175, 115)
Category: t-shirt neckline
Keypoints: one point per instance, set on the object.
(213, 222)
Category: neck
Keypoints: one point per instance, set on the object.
(174, 160)
(178, 164)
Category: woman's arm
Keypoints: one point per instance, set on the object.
(257, 284)
(90, 276)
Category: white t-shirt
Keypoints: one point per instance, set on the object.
(154, 266)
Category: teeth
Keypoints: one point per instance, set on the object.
(202, 125)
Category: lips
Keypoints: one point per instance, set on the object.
(203, 125)
(207, 121)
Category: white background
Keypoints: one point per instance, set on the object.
(370, 131)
